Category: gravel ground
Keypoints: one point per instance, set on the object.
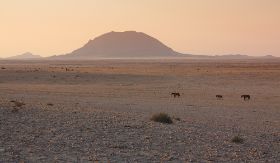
(104, 115)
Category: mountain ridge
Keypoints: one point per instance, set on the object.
(128, 44)
(25, 56)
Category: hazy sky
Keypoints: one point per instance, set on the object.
(49, 27)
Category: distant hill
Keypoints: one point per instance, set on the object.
(233, 56)
(269, 57)
(25, 56)
(129, 44)
(240, 56)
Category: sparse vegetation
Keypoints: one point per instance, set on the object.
(17, 105)
(15, 110)
(118, 111)
(177, 119)
(162, 118)
(50, 104)
(237, 140)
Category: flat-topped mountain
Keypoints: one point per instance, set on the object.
(26, 56)
(129, 44)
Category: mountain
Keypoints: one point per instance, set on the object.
(233, 56)
(240, 56)
(269, 57)
(25, 56)
(129, 44)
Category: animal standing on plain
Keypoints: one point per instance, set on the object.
(219, 97)
(174, 94)
(246, 97)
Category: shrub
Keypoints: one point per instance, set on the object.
(162, 118)
(18, 104)
(15, 110)
(50, 104)
(237, 139)
(178, 119)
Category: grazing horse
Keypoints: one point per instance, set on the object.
(219, 97)
(246, 97)
(174, 94)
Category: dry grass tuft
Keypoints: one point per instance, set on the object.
(237, 140)
(17, 105)
(177, 119)
(50, 104)
(162, 118)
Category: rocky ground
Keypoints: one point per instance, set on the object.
(100, 111)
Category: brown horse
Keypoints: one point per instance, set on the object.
(175, 94)
(219, 97)
(246, 97)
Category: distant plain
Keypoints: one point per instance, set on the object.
(83, 111)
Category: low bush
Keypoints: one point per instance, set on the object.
(237, 139)
(162, 118)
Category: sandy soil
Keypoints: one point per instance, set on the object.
(88, 111)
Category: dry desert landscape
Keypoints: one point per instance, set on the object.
(100, 111)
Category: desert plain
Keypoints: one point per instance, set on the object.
(100, 111)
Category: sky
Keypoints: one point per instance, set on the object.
(211, 27)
